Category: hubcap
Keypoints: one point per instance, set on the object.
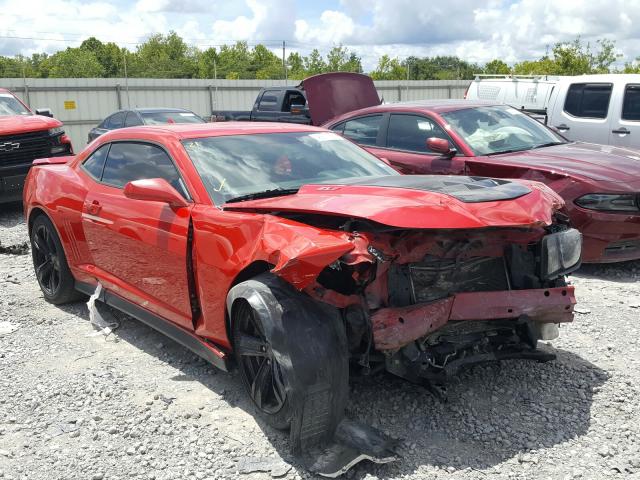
(257, 361)
(46, 260)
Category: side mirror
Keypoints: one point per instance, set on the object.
(299, 110)
(45, 112)
(440, 145)
(154, 190)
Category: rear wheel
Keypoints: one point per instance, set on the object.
(261, 373)
(50, 264)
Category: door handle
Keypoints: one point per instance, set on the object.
(563, 127)
(622, 131)
(94, 208)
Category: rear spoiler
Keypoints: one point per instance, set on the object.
(53, 160)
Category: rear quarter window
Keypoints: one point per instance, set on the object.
(114, 121)
(94, 165)
(631, 103)
(363, 130)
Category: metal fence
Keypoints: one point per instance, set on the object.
(82, 103)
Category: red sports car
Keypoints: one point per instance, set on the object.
(599, 183)
(293, 252)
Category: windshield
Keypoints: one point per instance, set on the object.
(239, 165)
(498, 129)
(162, 118)
(9, 105)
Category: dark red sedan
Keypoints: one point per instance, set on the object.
(291, 252)
(600, 184)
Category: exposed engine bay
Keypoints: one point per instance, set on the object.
(423, 304)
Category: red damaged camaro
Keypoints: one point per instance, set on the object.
(293, 254)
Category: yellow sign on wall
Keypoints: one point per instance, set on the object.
(69, 104)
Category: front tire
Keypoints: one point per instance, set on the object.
(50, 264)
(261, 373)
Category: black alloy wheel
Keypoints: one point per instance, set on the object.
(50, 264)
(261, 372)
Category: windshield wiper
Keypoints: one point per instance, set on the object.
(550, 144)
(276, 192)
(508, 151)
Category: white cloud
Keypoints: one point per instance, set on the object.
(334, 27)
(270, 20)
(506, 29)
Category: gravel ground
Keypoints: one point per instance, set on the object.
(137, 405)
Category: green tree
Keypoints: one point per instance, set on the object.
(110, 56)
(314, 63)
(234, 61)
(73, 63)
(389, 69)
(440, 68)
(572, 58)
(207, 63)
(632, 67)
(606, 56)
(295, 64)
(164, 57)
(265, 64)
(497, 67)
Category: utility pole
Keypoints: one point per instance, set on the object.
(408, 69)
(126, 79)
(284, 62)
(215, 78)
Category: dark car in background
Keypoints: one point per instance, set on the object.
(143, 116)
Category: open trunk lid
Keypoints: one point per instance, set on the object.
(332, 94)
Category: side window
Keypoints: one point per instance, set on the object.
(292, 98)
(114, 121)
(363, 130)
(95, 163)
(410, 132)
(339, 128)
(588, 100)
(128, 161)
(132, 120)
(269, 101)
(631, 103)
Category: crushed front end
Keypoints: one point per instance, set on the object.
(423, 304)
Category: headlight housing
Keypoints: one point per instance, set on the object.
(610, 202)
(56, 131)
(560, 253)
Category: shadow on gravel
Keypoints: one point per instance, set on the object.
(623, 272)
(494, 412)
(11, 214)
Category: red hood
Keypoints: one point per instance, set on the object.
(581, 160)
(332, 94)
(10, 125)
(413, 208)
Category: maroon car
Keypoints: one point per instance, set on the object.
(600, 184)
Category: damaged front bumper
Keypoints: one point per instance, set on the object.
(394, 328)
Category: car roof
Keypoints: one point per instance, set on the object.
(160, 109)
(183, 131)
(420, 106)
(603, 78)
